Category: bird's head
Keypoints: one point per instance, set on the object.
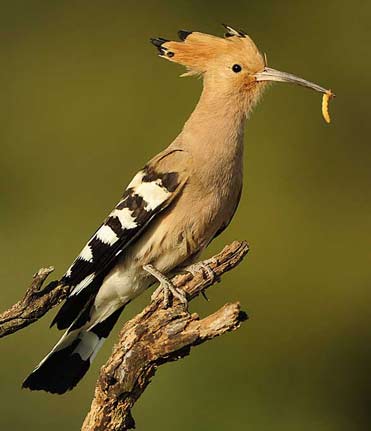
(231, 65)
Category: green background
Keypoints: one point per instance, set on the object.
(85, 102)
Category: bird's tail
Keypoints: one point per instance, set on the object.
(70, 359)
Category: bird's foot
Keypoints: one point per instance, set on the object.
(204, 266)
(167, 287)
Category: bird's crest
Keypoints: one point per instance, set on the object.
(196, 51)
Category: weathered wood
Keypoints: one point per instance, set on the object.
(35, 303)
(157, 336)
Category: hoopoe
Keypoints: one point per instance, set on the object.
(172, 209)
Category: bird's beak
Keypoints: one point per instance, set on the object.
(269, 74)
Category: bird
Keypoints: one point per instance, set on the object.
(172, 209)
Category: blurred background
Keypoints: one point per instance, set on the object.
(85, 102)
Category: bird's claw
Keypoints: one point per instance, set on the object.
(203, 293)
(166, 287)
(204, 266)
(180, 294)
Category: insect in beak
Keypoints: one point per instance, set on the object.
(269, 74)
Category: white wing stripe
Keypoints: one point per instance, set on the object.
(86, 253)
(125, 216)
(137, 180)
(106, 235)
(153, 194)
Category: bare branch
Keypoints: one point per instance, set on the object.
(34, 305)
(157, 336)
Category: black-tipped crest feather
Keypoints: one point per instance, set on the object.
(183, 34)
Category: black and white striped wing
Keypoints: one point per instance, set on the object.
(146, 196)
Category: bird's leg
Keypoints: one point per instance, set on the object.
(166, 286)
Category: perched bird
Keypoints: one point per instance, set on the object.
(172, 209)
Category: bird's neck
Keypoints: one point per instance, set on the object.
(214, 131)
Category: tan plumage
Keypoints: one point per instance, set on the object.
(172, 209)
(210, 156)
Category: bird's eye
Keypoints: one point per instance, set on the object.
(236, 68)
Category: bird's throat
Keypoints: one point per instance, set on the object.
(216, 126)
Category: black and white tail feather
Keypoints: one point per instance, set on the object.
(147, 195)
(70, 358)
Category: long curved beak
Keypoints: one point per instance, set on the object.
(269, 74)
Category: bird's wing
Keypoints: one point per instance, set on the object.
(150, 192)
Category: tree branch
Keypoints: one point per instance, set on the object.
(34, 304)
(157, 336)
(152, 338)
